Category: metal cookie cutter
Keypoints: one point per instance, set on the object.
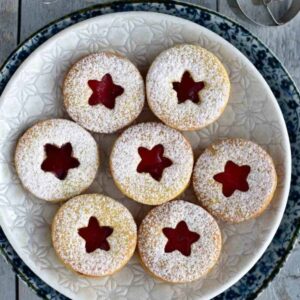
(260, 12)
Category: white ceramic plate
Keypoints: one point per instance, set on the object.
(34, 93)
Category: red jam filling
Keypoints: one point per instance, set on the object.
(153, 161)
(104, 92)
(59, 160)
(188, 89)
(95, 236)
(180, 238)
(233, 178)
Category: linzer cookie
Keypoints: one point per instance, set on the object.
(103, 92)
(56, 159)
(179, 242)
(187, 87)
(94, 235)
(151, 163)
(234, 180)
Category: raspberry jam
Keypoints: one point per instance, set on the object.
(153, 161)
(104, 92)
(233, 178)
(95, 236)
(180, 238)
(59, 160)
(188, 89)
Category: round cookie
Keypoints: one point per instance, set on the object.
(94, 235)
(179, 242)
(151, 163)
(104, 92)
(56, 159)
(234, 180)
(187, 87)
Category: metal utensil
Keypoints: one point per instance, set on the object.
(263, 9)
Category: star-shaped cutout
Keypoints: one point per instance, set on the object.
(233, 178)
(180, 238)
(59, 160)
(188, 89)
(104, 92)
(153, 161)
(95, 236)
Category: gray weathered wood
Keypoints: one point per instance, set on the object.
(8, 27)
(25, 293)
(212, 4)
(284, 40)
(7, 281)
(36, 14)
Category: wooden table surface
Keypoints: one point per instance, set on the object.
(19, 19)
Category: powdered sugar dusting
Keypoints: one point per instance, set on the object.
(174, 266)
(169, 67)
(241, 205)
(70, 247)
(100, 118)
(30, 154)
(141, 186)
